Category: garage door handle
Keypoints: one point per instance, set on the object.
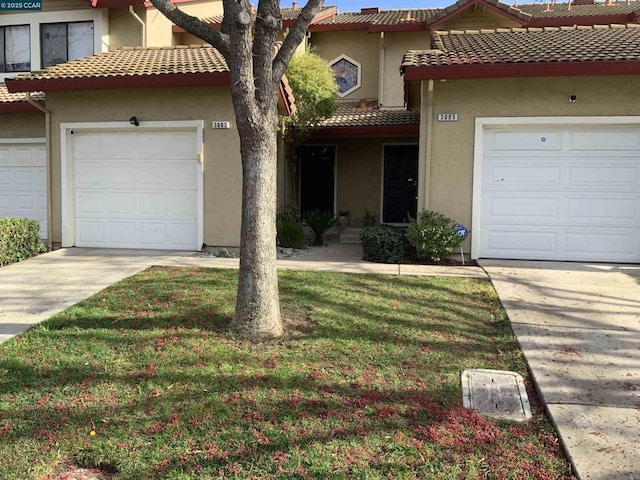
(499, 179)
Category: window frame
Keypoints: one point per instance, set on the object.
(43, 25)
(358, 66)
(3, 64)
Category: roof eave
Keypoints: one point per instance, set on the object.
(368, 130)
(338, 27)
(512, 70)
(18, 107)
(119, 82)
(399, 27)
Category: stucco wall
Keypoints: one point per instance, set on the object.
(395, 46)
(361, 46)
(451, 174)
(159, 28)
(474, 19)
(124, 30)
(22, 125)
(222, 168)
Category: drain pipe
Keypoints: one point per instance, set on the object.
(47, 134)
(141, 22)
(425, 145)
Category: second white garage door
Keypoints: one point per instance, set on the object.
(136, 189)
(561, 193)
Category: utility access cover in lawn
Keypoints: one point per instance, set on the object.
(496, 393)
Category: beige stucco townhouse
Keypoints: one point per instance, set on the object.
(507, 118)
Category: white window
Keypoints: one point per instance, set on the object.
(63, 42)
(15, 49)
(347, 73)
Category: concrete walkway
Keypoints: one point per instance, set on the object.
(579, 328)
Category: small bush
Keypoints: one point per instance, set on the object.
(319, 222)
(383, 244)
(19, 240)
(290, 232)
(433, 235)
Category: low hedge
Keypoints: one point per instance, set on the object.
(19, 240)
(384, 244)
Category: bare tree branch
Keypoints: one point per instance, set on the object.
(194, 26)
(294, 38)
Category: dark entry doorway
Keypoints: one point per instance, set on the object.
(317, 178)
(400, 197)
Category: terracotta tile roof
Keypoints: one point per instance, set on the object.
(138, 61)
(384, 17)
(288, 15)
(367, 114)
(529, 45)
(6, 97)
(555, 10)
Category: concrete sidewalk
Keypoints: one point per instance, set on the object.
(579, 328)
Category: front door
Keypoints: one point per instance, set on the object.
(317, 178)
(400, 197)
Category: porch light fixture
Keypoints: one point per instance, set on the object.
(134, 121)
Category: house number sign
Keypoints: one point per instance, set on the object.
(447, 117)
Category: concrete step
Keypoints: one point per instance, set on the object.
(350, 235)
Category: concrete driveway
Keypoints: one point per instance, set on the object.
(579, 328)
(33, 290)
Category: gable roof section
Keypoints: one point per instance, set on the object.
(509, 11)
(17, 102)
(180, 66)
(527, 52)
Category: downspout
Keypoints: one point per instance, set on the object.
(141, 22)
(47, 134)
(426, 145)
(381, 71)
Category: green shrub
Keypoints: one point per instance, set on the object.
(19, 240)
(433, 235)
(290, 232)
(319, 222)
(383, 244)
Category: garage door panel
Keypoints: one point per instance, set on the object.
(523, 174)
(604, 141)
(501, 141)
(580, 201)
(604, 176)
(509, 208)
(23, 182)
(619, 244)
(148, 197)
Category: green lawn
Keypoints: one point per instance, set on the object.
(144, 381)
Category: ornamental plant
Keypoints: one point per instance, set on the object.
(19, 240)
(433, 235)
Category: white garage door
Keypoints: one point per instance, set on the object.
(561, 193)
(136, 189)
(23, 190)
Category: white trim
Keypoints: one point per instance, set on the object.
(24, 140)
(66, 166)
(99, 16)
(359, 79)
(514, 122)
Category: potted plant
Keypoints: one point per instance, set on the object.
(368, 220)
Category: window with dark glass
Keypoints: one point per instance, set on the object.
(15, 49)
(63, 42)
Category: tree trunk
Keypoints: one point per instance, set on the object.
(257, 314)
